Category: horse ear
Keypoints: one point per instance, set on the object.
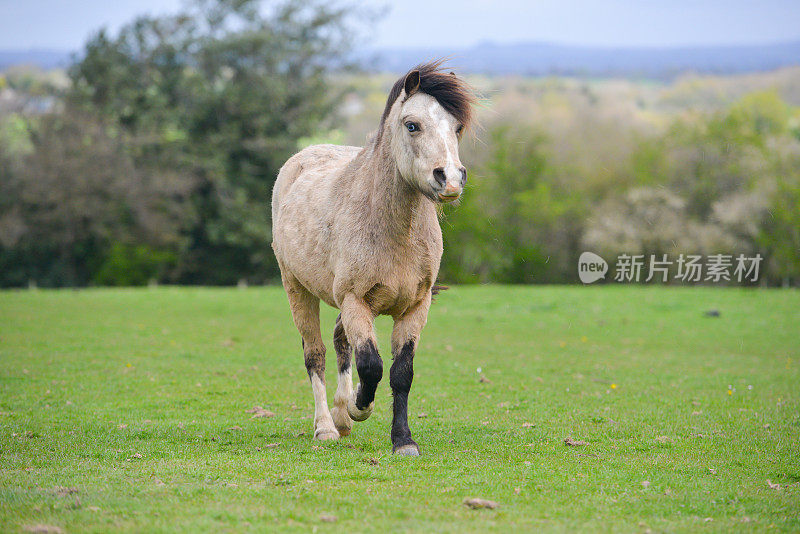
(412, 83)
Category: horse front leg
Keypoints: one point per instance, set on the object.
(357, 319)
(405, 336)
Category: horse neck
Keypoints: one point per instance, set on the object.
(396, 205)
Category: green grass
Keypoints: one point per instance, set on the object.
(90, 380)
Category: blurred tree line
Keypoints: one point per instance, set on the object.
(158, 162)
(724, 183)
(155, 159)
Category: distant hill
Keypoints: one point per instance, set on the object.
(539, 59)
(40, 57)
(552, 59)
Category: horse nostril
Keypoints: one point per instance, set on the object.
(463, 175)
(438, 175)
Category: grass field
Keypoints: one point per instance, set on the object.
(125, 410)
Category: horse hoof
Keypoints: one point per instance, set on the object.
(341, 420)
(356, 413)
(412, 449)
(359, 415)
(325, 434)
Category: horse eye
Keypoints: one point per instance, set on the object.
(459, 129)
(412, 127)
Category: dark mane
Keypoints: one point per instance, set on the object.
(452, 93)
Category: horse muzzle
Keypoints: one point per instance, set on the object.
(451, 184)
(450, 193)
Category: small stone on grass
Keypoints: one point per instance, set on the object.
(43, 529)
(259, 412)
(475, 503)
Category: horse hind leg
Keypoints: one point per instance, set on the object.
(344, 386)
(305, 312)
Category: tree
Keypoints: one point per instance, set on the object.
(75, 193)
(219, 94)
(516, 223)
(780, 233)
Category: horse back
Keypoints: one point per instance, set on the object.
(317, 164)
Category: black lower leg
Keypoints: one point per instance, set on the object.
(370, 372)
(342, 346)
(400, 377)
(315, 361)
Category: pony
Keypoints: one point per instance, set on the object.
(358, 229)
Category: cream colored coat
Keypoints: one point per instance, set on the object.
(358, 229)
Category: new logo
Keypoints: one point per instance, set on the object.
(591, 267)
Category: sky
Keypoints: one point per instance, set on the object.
(65, 24)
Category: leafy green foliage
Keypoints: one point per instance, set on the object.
(709, 184)
(223, 92)
(780, 234)
(132, 265)
(211, 101)
(515, 220)
(168, 135)
(707, 159)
